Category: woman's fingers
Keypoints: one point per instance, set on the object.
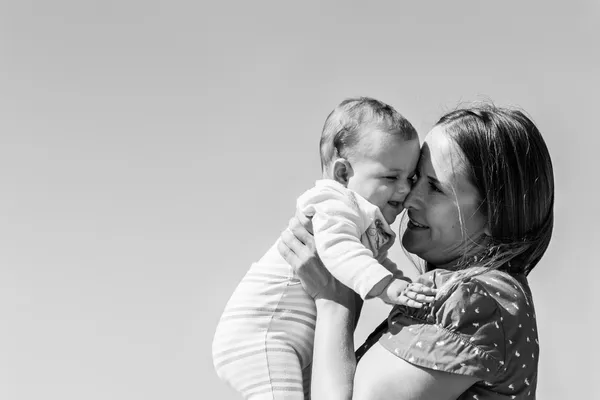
(285, 250)
(291, 249)
(298, 254)
(297, 247)
(305, 221)
(297, 227)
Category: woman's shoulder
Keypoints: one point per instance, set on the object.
(486, 323)
(501, 304)
(493, 299)
(510, 293)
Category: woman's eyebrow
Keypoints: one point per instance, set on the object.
(433, 179)
(436, 182)
(443, 186)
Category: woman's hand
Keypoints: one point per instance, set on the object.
(297, 247)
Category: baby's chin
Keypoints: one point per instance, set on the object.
(391, 216)
(390, 221)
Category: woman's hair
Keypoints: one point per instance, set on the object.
(508, 162)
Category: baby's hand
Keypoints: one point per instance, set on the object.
(414, 295)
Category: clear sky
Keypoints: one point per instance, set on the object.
(151, 150)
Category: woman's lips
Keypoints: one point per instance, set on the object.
(412, 224)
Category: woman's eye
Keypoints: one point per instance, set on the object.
(391, 178)
(434, 187)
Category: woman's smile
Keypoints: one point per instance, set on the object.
(412, 224)
(443, 206)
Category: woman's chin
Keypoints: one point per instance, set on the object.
(411, 243)
(414, 237)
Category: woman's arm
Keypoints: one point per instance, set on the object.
(333, 356)
(380, 374)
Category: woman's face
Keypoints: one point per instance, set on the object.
(443, 206)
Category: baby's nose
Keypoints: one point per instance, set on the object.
(403, 188)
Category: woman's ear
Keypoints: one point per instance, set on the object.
(487, 231)
(342, 171)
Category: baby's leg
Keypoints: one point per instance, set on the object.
(270, 365)
(265, 336)
(270, 371)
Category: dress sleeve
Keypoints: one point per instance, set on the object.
(462, 335)
(338, 225)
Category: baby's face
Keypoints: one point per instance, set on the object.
(382, 170)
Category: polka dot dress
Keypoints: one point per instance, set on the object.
(485, 327)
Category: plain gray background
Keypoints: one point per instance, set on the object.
(151, 150)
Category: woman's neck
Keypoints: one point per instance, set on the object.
(450, 265)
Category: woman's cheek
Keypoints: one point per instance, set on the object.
(444, 219)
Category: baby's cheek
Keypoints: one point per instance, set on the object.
(404, 190)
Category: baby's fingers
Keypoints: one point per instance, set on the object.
(418, 297)
(403, 300)
(422, 289)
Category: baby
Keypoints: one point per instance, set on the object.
(264, 339)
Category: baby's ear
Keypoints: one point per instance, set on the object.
(342, 171)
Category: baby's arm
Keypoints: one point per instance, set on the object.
(406, 293)
(338, 225)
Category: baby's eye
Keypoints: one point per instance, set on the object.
(391, 178)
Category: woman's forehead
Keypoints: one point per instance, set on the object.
(442, 156)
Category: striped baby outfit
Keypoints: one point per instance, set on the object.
(263, 342)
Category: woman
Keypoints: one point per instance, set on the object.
(480, 214)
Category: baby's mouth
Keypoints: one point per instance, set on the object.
(395, 204)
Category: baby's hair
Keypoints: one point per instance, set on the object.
(342, 130)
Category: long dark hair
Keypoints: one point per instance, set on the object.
(509, 164)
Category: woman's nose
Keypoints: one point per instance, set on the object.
(414, 198)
